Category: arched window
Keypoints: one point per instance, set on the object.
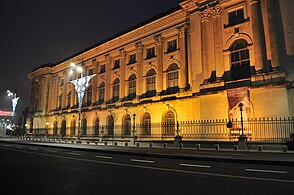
(172, 78)
(115, 90)
(73, 127)
(101, 94)
(169, 124)
(96, 126)
(55, 128)
(132, 86)
(151, 82)
(127, 125)
(240, 61)
(63, 128)
(89, 95)
(110, 125)
(84, 126)
(146, 125)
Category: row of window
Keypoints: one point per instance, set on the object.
(172, 82)
(145, 128)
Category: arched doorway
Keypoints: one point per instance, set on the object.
(63, 128)
(169, 124)
(84, 126)
(110, 125)
(146, 131)
(127, 125)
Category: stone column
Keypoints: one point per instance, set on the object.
(218, 40)
(56, 91)
(204, 18)
(122, 59)
(183, 80)
(107, 79)
(94, 82)
(159, 76)
(64, 95)
(139, 47)
(257, 35)
(273, 40)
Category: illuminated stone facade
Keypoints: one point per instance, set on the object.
(196, 62)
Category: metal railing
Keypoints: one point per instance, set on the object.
(257, 130)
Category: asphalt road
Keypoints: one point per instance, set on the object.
(26, 169)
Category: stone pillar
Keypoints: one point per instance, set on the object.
(108, 83)
(139, 47)
(183, 80)
(257, 35)
(64, 95)
(122, 58)
(204, 18)
(159, 76)
(94, 82)
(218, 40)
(56, 92)
(273, 39)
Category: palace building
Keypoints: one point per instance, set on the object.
(192, 64)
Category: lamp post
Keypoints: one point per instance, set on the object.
(134, 127)
(14, 103)
(47, 125)
(81, 85)
(241, 111)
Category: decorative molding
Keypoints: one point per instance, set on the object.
(182, 30)
(205, 14)
(216, 11)
(139, 46)
(159, 39)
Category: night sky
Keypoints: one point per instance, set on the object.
(47, 31)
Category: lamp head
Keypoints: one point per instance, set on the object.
(73, 65)
(80, 69)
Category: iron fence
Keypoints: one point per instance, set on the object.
(257, 130)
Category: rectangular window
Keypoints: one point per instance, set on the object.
(116, 64)
(90, 71)
(236, 17)
(150, 53)
(101, 94)
(102, 69)
(171, 46)
(132, 59)
(151, 83)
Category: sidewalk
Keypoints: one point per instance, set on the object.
(221, 155)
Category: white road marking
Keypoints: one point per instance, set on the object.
(33, 149)
(157, 168)
(105, 157)
(19, 147)
(7, 145)
(191, 165)
(142, 161)
(51, 151)
(266, 171)
(71, 153)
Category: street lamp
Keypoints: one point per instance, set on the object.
(47, 125)
(134, 127)
(81, 85)
(14, 101)
(241, 111)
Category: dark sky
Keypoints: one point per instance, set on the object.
(36, 32)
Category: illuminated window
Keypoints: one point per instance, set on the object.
(63, 128)
(73, 127)
(172, 79)
(101, 91)
(102, 68)
(146, 124)
(169, 124)
(171, 46)
(236, 17)
(132, 86)
(151, 80)
(132, 59)
(96, 126)
(116, 64)
(115, 90)
(89, 95)
(240, 61)
(110, 125)
(150, 53)
(127, 125)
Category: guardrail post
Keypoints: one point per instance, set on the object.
(150, 145)
(260, 148)
(236, 147)
(105, 143)
(198, 146)
(216, 146)
(164, 145)
(181, 145)
(126, 144)
(285, 148)
(115, 143)
(138, 144)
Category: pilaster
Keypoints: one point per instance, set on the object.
(139, 47)
(159, 76)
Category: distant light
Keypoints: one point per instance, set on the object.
(71, 71)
